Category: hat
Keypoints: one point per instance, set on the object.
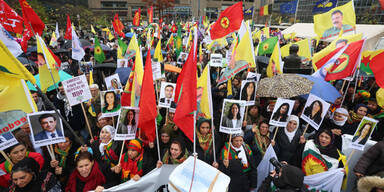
(136, 144)
(241, 134)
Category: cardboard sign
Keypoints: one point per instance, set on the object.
(7, 140)
(77, 90)
(363, 133)
(232, 116)
(282, 110)
(314, 111)
(156, 70)
(127, 125)
(216, 60)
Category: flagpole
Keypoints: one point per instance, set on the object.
(194, 134)
(297, 7)
(211, 113)
(158, 142)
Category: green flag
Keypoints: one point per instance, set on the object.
(99, 54)
(123, 46)
(178, 41)
(266, 47)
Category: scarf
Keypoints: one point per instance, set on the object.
(131, 167)
(94, 179)
(342, 111)
(8, 166)
(234, 155)
(63, 155)
(290, 135)
(354, 117)
(262, 142)
(241, 154)
(109, 154)
(205, 142)
(167, 159)
(103, 146)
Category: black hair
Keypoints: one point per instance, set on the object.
(337, 11)
(293, 49)
(83, 155)
(308, 110)
(115, 103)
(244, 94)
(43, 116)
(126, 118)
(230, 115)
(278, 114)
(169, 85)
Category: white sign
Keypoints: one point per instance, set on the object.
(281, 112)
(253, 76)
(7, 140)
(127, 125)
(46, 128)
(77, 90)
(248, 91)
(216, 60)
(232, 116)
(113, 82)
(363, 132)
(314, 111)
(156, 70)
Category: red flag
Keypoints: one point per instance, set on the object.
(326, 58)
(68, 31)
(118, 26)
(147, 104)
(346, 64)
(136, 18)
(185, 95)
(377, 67)
(10, 20)
(174, 28)
(58, 61)
(229, 21)
(27, 34)
(31, 18)
(150, 14)
(381, 4)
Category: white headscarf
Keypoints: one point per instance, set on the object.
(290, 135)
(345, 116)
(111, 130)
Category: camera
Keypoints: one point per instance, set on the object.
(276, 163)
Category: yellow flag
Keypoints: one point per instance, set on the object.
(11, 67)
(47, 65)
(333, 45)
(244, 50)
(304, 50)
(266, 32)
(53, 41)
(15, 95)
(91, 78)
(158, 55)
(275, 63)
(229, 87)
(93, 30)
(119, 53)
(339, 20)
(222, 42)
(108, 33)
(204, 88)
(137, 73)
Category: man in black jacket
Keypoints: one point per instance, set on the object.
(292, 62)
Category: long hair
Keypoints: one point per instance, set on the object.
(126, 121)
(230, 115)
(115, 103)
(277, 114)
(244, 94)
(362, 128)
(308, 111)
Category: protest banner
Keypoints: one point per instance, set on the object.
(156, 70)
(77, 90)
(363, 132)
(216, 60)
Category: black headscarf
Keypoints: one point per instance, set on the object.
(291, 178)
(329, 150)
(29, 165)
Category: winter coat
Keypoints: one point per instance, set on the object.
(372, 161)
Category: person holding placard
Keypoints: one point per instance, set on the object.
(355, 116)
(254, 115)
(232, 119)
(320, 154)
(26, 176)
(111, 102)
(259, 139)
(281, 113)
(336, 125)
(314, 111)
(238, 162)
(288, 140)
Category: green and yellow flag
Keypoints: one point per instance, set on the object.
(267, 46)
(178, 41)
(158, 55)
(99, 53)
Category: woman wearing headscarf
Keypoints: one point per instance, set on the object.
(204, 142)
(258, 139)
(87, 176)
(336, 124)
(237, 161)
(26, 176)
(321, 155)
(355, 117)
(165, 139)
(17, 153)
(281, 113)
(135, 163)
(105, 148)
(288, 140)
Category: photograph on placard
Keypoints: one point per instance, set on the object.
(282, 110)
(127, 124)
(167, 94)
(248, 91)
(46, 128)
(314, 111)
(110, 102)
(122, 63)
(363, 133)
(182, 58)
(113, 82)
(253, 76)
(86, 67)
(77, 90)
(232, 116)
(7, 140)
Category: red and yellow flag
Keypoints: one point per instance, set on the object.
(118, 26)
(136, 18)
(150, 14)
(229, 21)
(264, 10)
